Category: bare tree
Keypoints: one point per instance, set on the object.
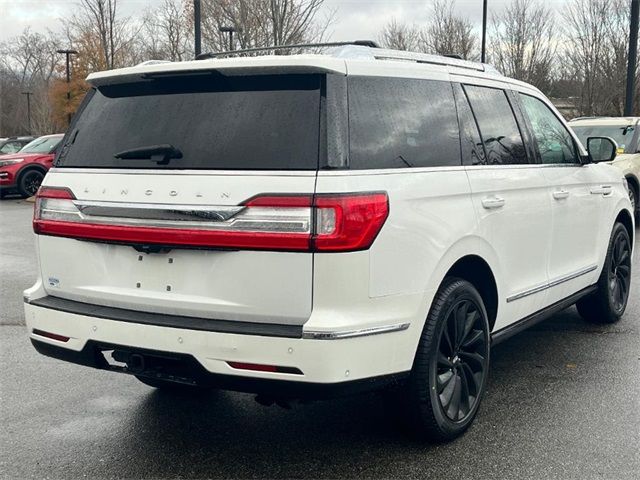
(400, 36)
(523, 45)
(28, 62)
(261, 23)
(448, 33)
(99, 31)
(596, 34)
(167, 32)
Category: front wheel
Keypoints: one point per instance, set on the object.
(609, 301)
(449, 375)
(29, 182)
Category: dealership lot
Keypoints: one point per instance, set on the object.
(563, 402)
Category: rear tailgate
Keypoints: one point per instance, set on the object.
(158, 174)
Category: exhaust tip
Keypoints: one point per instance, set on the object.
(135, 363)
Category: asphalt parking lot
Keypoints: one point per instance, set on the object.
(563, 402)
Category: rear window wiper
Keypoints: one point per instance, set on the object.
(161, 154)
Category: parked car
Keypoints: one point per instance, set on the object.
(312, 225)
(13, 144)
(23, 171)
(626, 133)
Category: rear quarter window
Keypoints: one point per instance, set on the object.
(400, 123)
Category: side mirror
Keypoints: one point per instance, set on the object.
(601, 149)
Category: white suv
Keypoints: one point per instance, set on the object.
(308, 225)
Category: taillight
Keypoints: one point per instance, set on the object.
(320, 223)
(346, 223)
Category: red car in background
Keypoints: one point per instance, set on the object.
(23, 172)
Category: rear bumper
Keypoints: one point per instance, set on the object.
(329, 366)
(188, 370)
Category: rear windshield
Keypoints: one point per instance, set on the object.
(215, 122)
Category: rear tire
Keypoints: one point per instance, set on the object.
(608, 303)
(29, 182)
(168, 386)
(449, 375)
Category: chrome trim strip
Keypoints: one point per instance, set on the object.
(551, 284)
(156, 211)
(365, 332)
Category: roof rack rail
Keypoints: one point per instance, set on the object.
(361, 43)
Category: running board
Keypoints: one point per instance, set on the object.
(539, 316)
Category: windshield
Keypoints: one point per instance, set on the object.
(205, 121)
(622, 134)
(42, 145)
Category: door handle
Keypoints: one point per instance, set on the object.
(560, 194)
(601, 190)
(492, 202)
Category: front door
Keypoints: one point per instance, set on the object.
(576, 199)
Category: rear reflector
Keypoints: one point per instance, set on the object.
(52, 336)
(306, 223)
(264, 368)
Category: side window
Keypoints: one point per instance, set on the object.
(401, 122)
(554, 141)
(498, 127)
(11, 147)
(471, 146)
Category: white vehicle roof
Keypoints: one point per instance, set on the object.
(344, 60)
(586, 121)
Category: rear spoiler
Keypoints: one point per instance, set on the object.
(274, 65)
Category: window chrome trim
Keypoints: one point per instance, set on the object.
(364, 332)
(551, 284)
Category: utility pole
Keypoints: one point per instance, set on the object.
(197, 21)
(230, 31)
(28, 94)
(68, 54)
(633, 54)
(483, 54)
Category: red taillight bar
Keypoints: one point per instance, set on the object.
(174, 237)
(56, 192)
(341, 223)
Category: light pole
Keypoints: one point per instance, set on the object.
(28, 94)
(230, 31)
(483, 54)
(633, 53)
(68, 54)
(197, 20)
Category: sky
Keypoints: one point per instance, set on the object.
(355, 19)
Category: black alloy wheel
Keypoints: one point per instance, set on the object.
(608, 303)
(620, 272)
(461, 363)
(442, 396)
(30, 182)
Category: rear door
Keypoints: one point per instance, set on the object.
(186, 195)
(509, 196)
